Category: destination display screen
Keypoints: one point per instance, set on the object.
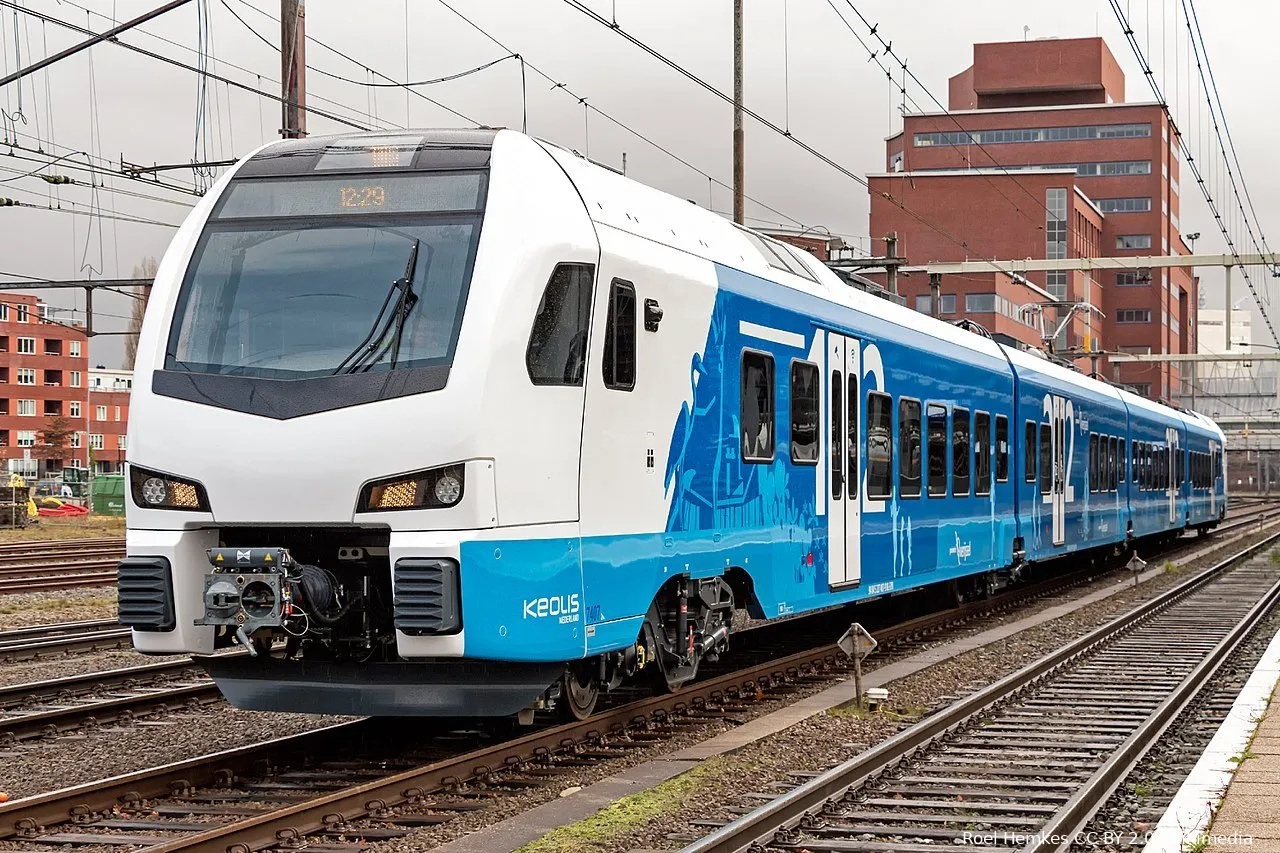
(353, 195)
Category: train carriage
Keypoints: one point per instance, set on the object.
(545, 430)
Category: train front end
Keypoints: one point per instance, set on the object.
(323, 422)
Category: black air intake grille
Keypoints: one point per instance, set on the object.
(426, 596)
(146, 594)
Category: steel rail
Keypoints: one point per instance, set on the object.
(760, 826)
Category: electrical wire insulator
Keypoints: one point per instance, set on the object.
(8, 202)
(57, 179)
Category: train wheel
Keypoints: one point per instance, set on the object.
(579, 693)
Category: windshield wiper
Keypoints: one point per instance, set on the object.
(370, 350)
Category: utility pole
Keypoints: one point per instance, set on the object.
(891, 252)
(293, 69)
(739, 178)
(935, 294)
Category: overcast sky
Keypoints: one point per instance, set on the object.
(817, 80)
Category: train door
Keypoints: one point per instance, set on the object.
(1213, 478)
(1060, 412)
(844, 512)
(1171, 485)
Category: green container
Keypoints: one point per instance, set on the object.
(108, 494)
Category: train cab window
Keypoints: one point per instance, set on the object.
(909, 448)
(938, 450)
(1002, 449)
(981, 453)
(757, 407)
(619, 362)
(837, 435)
(851, 441)
(1029, 453)
(879, 445)
(1046, 460)
(960, 452)
(557, 350)
(1093, 462)
(804, 413)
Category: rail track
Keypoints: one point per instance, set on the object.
(53, 565)
(1026, 762)
(219, 802)
(61, 639)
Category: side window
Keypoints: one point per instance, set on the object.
(804, 413)
(1093, 462)
(1113, 457)
(1046, 461)
(937, 450)
(959, 451)
(982, 453)
(1002, 449)
(837, 435)
(1122, 458)
(619, 362)
(757, 407)
(557, 351)
(1029, 455)
(909, 448)
(879, 445)
(851, 442)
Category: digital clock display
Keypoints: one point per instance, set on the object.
(362, 196)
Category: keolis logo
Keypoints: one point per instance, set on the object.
(564, 607)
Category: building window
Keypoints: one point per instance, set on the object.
(101, 413)
(95, 440)
(75, 440)
(1002, 449)
(1133, 315)
(26, 376)
(117, 413)
(924, 304)
(75, 379)
(26, 438)
(75, 409)
(1133, 241)
(804, 413)
(937, 450)
(620, 337)
(4, 312)
(909, 448)
(1123, 205)
(981, 453)
(1032, 134)
(121, 441)
(23, 313)
(73, 349)
(960, 452)
(947, 303)
(1142, 389)
(1055, 239)
(1133, 278)
(879, 445)
(27, 346)
(757, 407)
(980, 303)
(27, 408)
(557, 350)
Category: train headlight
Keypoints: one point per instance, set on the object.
(437, 488)
(153, 490)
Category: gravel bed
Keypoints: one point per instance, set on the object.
(36, 767)
(59, 605)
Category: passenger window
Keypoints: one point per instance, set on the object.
(757, 407)
(837, 436)
(1113, 457)
(938, 450)
(1046, 461)
(1002, 449)
(909, 448)
(982, 453)
(1093, 462)
(1122, 458)
(851, 442)
(804, 413)
(557, 351)
(879, 445)
(1029, 453)
(620, 337)
(959, 452)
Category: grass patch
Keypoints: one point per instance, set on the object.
(630, 813)
(91, 527)
(853, 711)
(1196, 845)
(1275, 557)
(1243, 756)
(48, 605)
(1141, 789)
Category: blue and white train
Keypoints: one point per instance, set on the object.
(457, 422)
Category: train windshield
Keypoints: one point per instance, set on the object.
(306, 277)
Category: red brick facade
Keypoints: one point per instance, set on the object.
(1054, 103)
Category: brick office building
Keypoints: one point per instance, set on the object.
(1040, 157)
(107, 418)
